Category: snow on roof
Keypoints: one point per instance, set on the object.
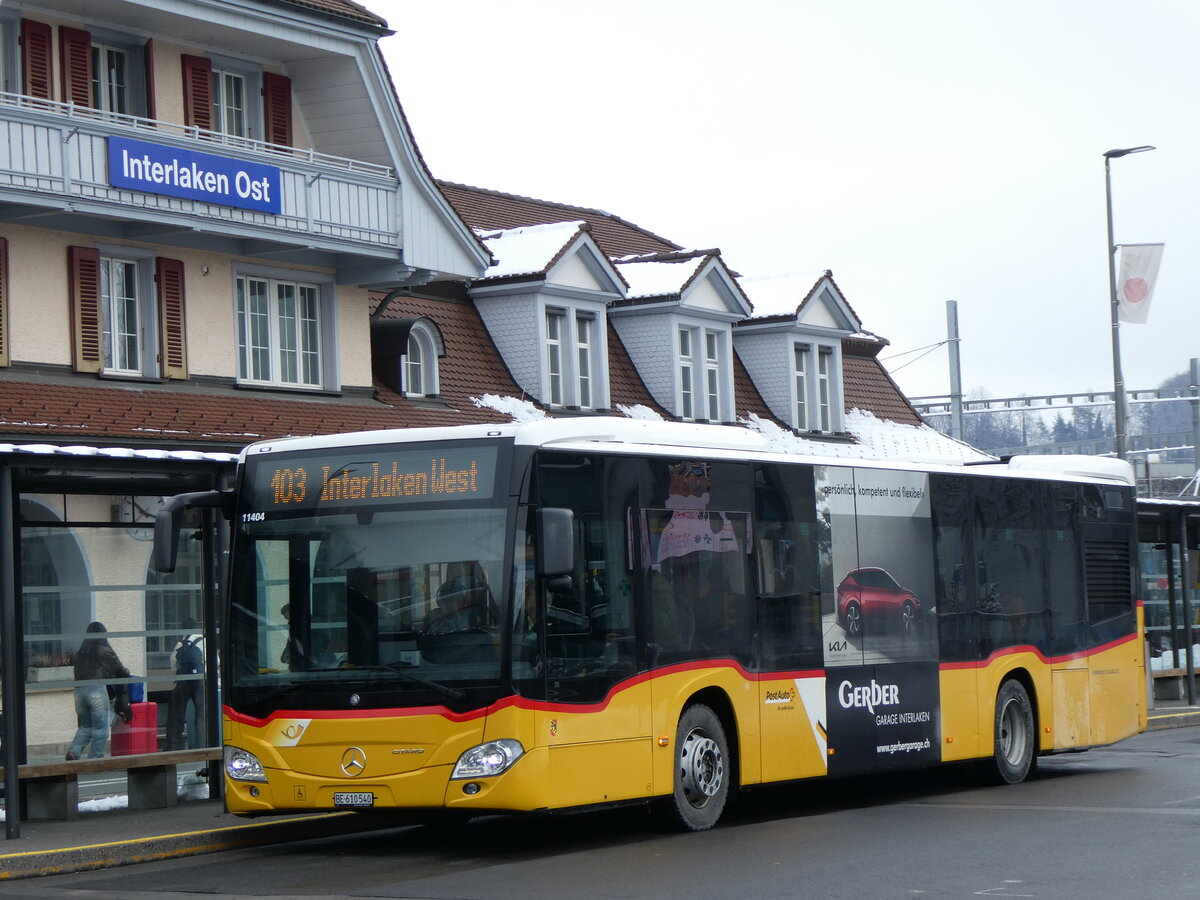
(529, 250)
(119, 452)
(658, 279)
(875, 439)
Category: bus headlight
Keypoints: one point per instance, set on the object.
(491, 758)
(242, 765)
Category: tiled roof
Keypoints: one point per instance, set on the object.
(343, 9)
(869, 387)
(484, 209)
(87, 412)
(472, 366)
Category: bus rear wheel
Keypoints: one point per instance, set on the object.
(1014, 755)
(702, 775)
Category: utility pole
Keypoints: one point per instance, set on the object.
(956, 397)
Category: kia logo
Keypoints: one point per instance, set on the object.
(354, 761)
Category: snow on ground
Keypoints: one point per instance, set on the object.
(191, 787)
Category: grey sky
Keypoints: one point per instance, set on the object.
(925, 151)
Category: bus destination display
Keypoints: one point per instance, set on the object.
(407, 476)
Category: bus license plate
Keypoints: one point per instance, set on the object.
(355, 799)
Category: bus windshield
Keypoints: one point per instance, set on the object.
(397, 602)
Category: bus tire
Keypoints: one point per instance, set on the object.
(1015, 738)
(702, 775)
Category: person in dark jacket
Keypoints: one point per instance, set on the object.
(96, 661)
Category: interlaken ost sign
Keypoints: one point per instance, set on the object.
(158, 169)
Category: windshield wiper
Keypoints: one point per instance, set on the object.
(397, 668)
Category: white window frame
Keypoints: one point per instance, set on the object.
(103, 86)
(686, 347)
(556, 325)
(224, 68)
(585, 326)
(145, 300)
(825, 362)
(573, 358)
(419, 370)
(817, 389)
(713, 375)
(130, 48)
(313, 362)
(800, 358)
(702, 363)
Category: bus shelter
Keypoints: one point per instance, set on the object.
(1168, 536)
(76, 537)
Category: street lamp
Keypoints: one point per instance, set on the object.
(1120, 426)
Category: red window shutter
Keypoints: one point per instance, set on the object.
(36, 78)
(148, 56)
(86, 326)
(75, 65)
(172, 318)
(4, 355)
(197, 91)
(277, 108)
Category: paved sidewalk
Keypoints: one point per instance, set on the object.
(124, 836)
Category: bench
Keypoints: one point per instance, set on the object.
(1168, 683)
(52, 789)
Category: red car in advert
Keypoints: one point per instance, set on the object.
(873, 593)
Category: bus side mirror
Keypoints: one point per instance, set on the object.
(170, 519)
(556, 547)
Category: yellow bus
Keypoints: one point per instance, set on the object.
(592, 611)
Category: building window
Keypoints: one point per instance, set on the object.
(816, 397)
(712, 374)
(279, 332)
(121, 318)
(824, 389)
(686, 369)
(419, 366)
(554, 356)
(229, 103)
(583, 343)
(801, 357)
(414, 366)
(110, 78)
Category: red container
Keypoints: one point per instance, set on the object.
(140, 735)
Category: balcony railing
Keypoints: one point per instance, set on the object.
(57, 152)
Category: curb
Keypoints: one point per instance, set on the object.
(35, 863)
(1173, 720)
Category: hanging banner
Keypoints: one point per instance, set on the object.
(1135, 281)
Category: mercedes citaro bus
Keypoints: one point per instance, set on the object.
(592, 611)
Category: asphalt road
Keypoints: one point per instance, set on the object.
(1114, 823)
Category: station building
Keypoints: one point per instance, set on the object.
(216, 228)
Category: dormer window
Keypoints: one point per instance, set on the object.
(571, 359)
(712, 374)
(554, 356)
(824, 365)
(584, 325)
(686, 369)
(702, 367)
(814, 399)
(801, 371)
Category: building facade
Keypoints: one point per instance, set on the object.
(216, 228)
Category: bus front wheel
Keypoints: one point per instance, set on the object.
(702, 773)
(1014, 756)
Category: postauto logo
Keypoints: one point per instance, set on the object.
(868, 696)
